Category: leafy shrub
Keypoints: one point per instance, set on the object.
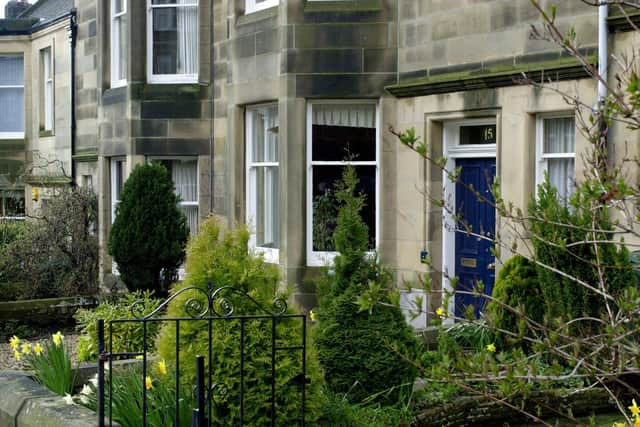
(517, 287)
(149, 234)
(473, 336)
(362, 352)
(338, 411)
(223, 259)
(128, 336)
(558, 226)
(56, 254)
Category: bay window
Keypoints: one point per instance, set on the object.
(556, 153)
(118, 43)
(11, 96)
(184, 174)
(47, 89)
(339, 134)
(262, 180)
(173, 41)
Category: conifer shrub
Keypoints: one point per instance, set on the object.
(221, 257)
(148, 237)
(560, 237)
(516, 287)
(363, 352)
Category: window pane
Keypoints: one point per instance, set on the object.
(191, 212)
(11, 109)
(121, 22)
(175, 40)
(12, 204)
(339, 143)
(325, 207)
(561, 176)
(11, 71)
(184, 174)
(559, 135)
(265, 134)
(164, 2)
(266, 207)
(118, 6)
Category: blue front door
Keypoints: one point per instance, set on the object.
(474, 261)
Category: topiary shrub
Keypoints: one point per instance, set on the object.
(148, 237)
(517, 287)
(362, 352)
(222, 258)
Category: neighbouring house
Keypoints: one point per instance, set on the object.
(256, 106)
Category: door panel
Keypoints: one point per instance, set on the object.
(474, 260)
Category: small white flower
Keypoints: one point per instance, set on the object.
(86, 390)
(84, 399)
(68, 399)
(94, 381)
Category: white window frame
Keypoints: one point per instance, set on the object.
(321, 258)
(115, 44)
(47, 87)
(184, 203)
(165, 78)
(252, 6)
(114, 173)
(541, 156)
(271, 255)
(15, 135)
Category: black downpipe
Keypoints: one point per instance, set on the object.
(73, 24)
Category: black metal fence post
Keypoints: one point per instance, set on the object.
(101, 360)
(198, 418)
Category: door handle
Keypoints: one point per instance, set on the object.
(491, 266)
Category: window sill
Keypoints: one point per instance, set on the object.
(258, 15)
(340, 6)
(12, 135)
(46, 133)
(172, 79)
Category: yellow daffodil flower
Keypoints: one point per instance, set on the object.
(14, 342)
(26, 348)
(491, 348)
(37, 349)
(139, 357)
(441, 313)
(162, 367)
(634, 408)
(636, 422)
(57, 338)
(312, 316)
(17, 354)
(619, 425)
(148, 383)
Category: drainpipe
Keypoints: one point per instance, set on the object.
(73, 29)
(603, 58)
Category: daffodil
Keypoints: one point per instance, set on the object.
(441, 313)
(139, 357)
(86, 390)
(57, 338)
(37, 349)
(312, 316)
(14, 342)
(26, 348)
(636, 422)
(619, 425)
(634, 408)
(68, 399)
(162, 367)
(17, 354)
(491, 348)
(148, 383)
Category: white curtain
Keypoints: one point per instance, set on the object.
(350, 115)
(185, 176)
(559, 138)
(11, 94)
(187, 23)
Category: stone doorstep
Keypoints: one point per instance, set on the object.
(25, 403)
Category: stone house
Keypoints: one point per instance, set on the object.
(256, 106)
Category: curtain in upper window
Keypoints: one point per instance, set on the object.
(559, 154)
(175, 37)
(11, 96)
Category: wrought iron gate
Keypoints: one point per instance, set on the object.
(208, 308)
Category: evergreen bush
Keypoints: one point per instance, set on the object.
(149, 234)
(560, 234)
(516, 287)
(223, 259)
(362, 352)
